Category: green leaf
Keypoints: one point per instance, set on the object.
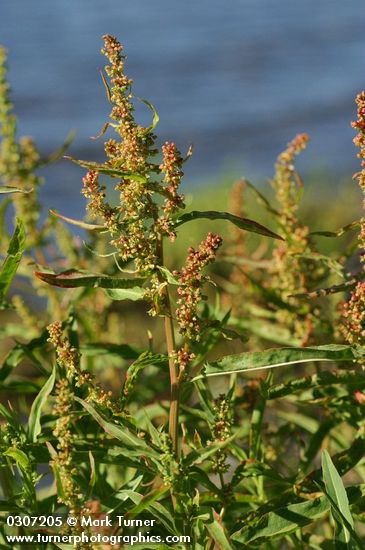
(8, 189)
(125, 351)
(118, 432)
(120, 289)
(266, 330)
(329, 262)
(102, 131)
(15, 252)
(242, 223)
(280, 357)
(146, 359)
(168, 276)
(339, 232)
(198, 456)
(108, 170)
(218, 533)
(343, 287)
(255, 468)
(325, 378)
(134, 293)
(337, 493)
(147, 500)
(20, 352)
(79, 223)
(107, 88)
(261, 199)
(56, 155)
(155, 119)
(19, 456)
(34, 426)
(281, 521)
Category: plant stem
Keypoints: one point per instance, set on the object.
(174, 374)
(174, 383)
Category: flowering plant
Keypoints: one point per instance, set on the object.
(144, 402)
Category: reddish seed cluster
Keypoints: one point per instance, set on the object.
(190, 285)
(97, 205)
(171, 167)
(285, 181)
(67, 355)
(353, 311)
(132, 153)
(291, 274)
(183, 358)
(294, 147)
(359, 141)
(354, 316)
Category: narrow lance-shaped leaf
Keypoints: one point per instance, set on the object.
(102, 131)
(108, 170)
(19, 456)
(34, 424)
(146, 359)
(15, 252)
(147, 501)
(73, 278)
(342, 287)
(96, 349)
(8, 189)
(281, 521)
(261, 199)
(242, 223)
(116, 288)
(218, 533)
(107, 88)
(338, 499)
(279, 357)
(56, 155)
(339, 232)
(326, 260)
(155, 119)
(79, 223)
(120, 433)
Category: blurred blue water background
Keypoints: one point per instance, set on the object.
(238, 79)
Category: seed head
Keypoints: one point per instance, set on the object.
(191, 281)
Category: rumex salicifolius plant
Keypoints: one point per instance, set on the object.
(186, 434)
(147, 212)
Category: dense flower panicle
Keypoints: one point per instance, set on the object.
(354, 316)
(292, 274)
(353, 311)
(139, 220)
(171, 167)
(130, 223)
(359, 141)
(191, 281)
(135, 149)
(221, 430)
(237, 207)
(237, 247)
(64, 407)
(286, 178)
(67, 356)
(183, 359)
(64, 460)
(97, 205)
(18, 161)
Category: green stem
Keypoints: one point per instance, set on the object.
(174, 384)
(174, 373)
